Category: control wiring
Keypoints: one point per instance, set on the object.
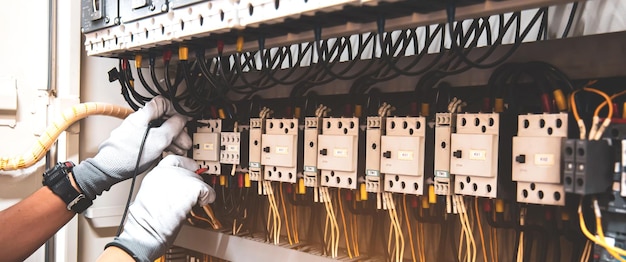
(600, 240)
(49, 136)
(597, 128)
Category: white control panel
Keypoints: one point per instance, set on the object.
(402, 155)
(206, 145)
(279, 150)
(474, 154)
(536, 164)
(338, 152)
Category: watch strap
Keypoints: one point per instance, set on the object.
(58, 180)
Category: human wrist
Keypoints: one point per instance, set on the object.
(73, 182)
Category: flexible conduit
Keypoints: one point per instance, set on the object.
(67, 118)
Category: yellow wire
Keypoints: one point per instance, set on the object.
(591, 237)
(601, 234)
(282, 203)
(422, 242)
(294, 224)
(408, 224)
(480, 229)
(343, 221)
(355, 239)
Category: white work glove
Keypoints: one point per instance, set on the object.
(117, 155)
(165, 197)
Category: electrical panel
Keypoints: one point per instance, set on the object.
(445, 125)
(280, 150)
(536, 159)
(257, 127)
(137, 9)
(338, 152)
(474, 154)
(373, 133)
(206, 145)
(99, 14)
(402, 155)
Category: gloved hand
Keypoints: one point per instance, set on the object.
(117, 155)
(165, 197)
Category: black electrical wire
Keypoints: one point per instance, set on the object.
(570, 20)
(145, 83)
(135, 173)
(155, 80)
(126, 77)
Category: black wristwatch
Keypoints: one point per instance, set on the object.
(58, 181)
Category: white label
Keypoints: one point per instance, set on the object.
(405, 155)
(255, 164)
(232, 148)
(340, 152)
(207, 147)
(372, 172)
(310, 169)
(544, 159)
(283, 150)
(477, 155)
(442, 173)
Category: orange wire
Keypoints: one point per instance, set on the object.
(343, 220)
(605, 102)
(572, 102)
(282, 202)
(606, 97)
(408, 224)
(480, 229)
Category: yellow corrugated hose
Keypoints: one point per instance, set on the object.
(47, 138)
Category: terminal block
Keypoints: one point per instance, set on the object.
(477, 156)
(402, 155)
(257, 128)
(374, 130)
(536, 159)
(230, 148)
(280, 154)
(338, 152)
(588, 166)
(206, 145)
(445, 125)
(312, 128)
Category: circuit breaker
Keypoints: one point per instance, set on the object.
(98, 14)
(137, 9)
(445, 125)
(474, 154)
(536, 159)
(338, 152)
(373, 133)
(279, 150)
(206, 145)
(257, 127)
(402, 155)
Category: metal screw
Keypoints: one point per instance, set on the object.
(152, 7)
(164, 8)
(116, 21)
(107, 20)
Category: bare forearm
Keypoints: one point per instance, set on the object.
(29, 223)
